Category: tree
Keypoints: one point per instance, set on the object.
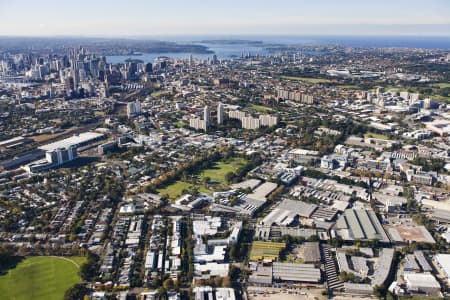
(6, 256)
(156, 282)
(168, 284)
(77, 292)
(162, 292)
(217, 281)
(206, 180)
(226, 282)
(88, 270)
(229, 177)
(379, 291)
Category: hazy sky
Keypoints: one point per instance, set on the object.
(196, 17)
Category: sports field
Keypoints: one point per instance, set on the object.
(260, 108)
(40, 278)
(376, 136)
(306, 79)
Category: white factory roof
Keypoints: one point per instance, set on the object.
(214, 269)
(225, 294)
(443, 261)
(296, 272)
(340, 205)
(72, 141)
(250, 183)
(422, 280)
(208, 225)
(262, 191)
(12, 140)
(442, 205)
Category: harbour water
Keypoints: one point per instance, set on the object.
(226, 50)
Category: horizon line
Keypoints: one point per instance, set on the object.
(140, 36)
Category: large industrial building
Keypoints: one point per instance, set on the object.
(53, 158)
(76, 141)
(359, 224)
(422, 283)
(443, 261)
(61, 152)
(286, 212)
(295, 272)
(280, 272)
(406, 234)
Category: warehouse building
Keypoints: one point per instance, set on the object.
(261, 275)
(284, 272)
(287, 211)
(359, 224)
(264, 232)
(262, 191)
(295, 272)
(443, 261)
(420, 257)
(406, 234)
(422, 283)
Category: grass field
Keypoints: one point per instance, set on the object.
(260, 108)
(160, 93)
(443, 85)
(40, 277)
(216, 174)
(349, 87)
(175, 189)
(441, 98)
(306, 79)
(376, 136)
(180, 124)
(220, 170)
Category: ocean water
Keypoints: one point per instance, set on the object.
(228, 50)
(430, 42)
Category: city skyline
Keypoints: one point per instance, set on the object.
(285, 17)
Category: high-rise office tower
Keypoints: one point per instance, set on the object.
(76, 78)
(148, 68)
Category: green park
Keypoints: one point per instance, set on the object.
(40, 278)
(206, 181)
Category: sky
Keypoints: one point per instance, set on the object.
(127, 18)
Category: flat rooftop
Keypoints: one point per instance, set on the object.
(262, 191)
(360, 224)
(409, 233)
(250, 183)
(75, 140)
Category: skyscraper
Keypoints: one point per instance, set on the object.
(148, 68)
(206, 116)
(220, 111)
